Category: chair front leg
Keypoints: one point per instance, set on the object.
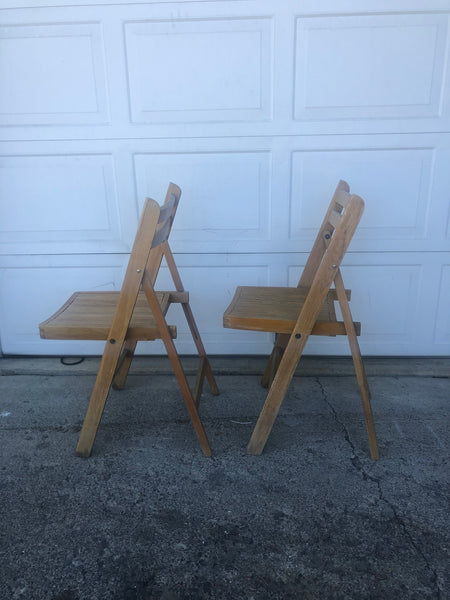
(277, 392)
(105, 376)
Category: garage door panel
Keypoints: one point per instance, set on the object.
(382, 66)
(395, 182)
(57, 203)
(53, 74)
(226, 195)
(202, 70)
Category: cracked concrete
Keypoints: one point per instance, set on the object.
(356, 462)
(148, 517)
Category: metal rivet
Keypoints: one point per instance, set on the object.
(334, 266)
(112, 341)
(327, 236)
(138, 271)
(298, 335)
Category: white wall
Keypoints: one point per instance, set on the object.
(256, 109)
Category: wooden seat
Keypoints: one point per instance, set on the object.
(135, 313)
(309, 309)
(277, 309)
(89, 315)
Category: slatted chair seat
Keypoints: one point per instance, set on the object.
(89, 316)
(276, 309)
(135, 313)
(296, 313)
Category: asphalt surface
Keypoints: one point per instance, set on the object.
(147, 516)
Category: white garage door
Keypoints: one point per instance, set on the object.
(256, 109)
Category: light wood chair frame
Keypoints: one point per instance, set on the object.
(320, 272)
(150, 247)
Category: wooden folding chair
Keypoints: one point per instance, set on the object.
(135, 313)
(296, 313)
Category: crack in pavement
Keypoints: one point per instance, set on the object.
(357, 464)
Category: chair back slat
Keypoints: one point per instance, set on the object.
(167, 208)
(162, 234)
(342, 197)
(165, 222)
(166, 216)
(333, 218)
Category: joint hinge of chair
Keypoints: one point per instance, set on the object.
(332, 294)
(201, 372)
(179, 297)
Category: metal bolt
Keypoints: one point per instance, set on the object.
(112, 341)
(138, 271)
(334, 266)
(298, 335)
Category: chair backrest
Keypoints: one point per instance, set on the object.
(333, 239)
(160, 238)
(146, 255)
(340, 222)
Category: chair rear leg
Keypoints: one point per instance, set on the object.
(121, 374)
(274, 360)
(359, 365)
(98, 398)
(190, 320)
(177, 366)
(187, 395)
(365, 396)
(200, 348)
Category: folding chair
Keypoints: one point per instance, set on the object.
(296, 313)
(135, 313)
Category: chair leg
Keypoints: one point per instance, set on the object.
(177, 367)
(122, 371)
(271, 367)
(276, 394)
(200, 348)
(98, 398)
(187, 396)
(198, 388)
(274, 360)
(359, 365)
(190, 319)
(365, 393)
